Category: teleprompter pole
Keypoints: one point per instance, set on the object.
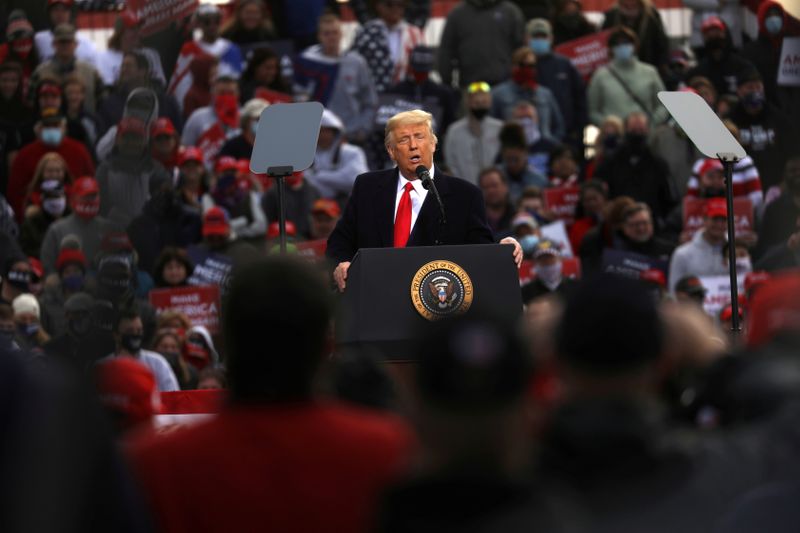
(280, 174)
(728, 160)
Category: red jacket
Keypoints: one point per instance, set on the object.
(301, 468)
(79, 163)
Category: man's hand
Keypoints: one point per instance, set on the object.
(340, 275)
(517, 249)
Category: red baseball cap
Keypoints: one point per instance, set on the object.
(127, 387)
(716, 207)
(243, 167)
(190, 153)
(709, 165)
(226, 163)
(273, 230)
(84, 186)
(328, 207)
(70, 255)
(775, 308)
(713, 22)
(116, 242)
(49, 87)
(727, 313)
(163, 126)
(36, 267)
(129, 19)
(215, 222)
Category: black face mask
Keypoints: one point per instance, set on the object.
(479, 112)
(712, 192)
(570, 22)
(114, 287)
(131, 343)
(637, 141)
(793, 185)
(717, 43)
(610, 142)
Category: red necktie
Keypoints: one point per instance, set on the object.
(402, 222)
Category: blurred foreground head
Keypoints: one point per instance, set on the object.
(610, 328)
(473, 378)
(276, 319)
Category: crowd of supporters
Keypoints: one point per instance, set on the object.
(125, 179)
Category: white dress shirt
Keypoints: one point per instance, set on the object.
(418, 195)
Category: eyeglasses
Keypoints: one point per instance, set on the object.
(478, 87)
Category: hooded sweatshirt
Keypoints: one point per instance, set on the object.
(335, 169)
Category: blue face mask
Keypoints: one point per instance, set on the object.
(28, 330)
(52, 136)
(623, 52)
(773, 24)
(72, 283)
(528, 243)
(540, 46)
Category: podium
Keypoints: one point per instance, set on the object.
(392, 293)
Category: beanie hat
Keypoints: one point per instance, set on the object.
(26, 304)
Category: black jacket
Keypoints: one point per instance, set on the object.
(368, 219)
(557, 73)
(641, 175)
(725, 73)
(779, 222)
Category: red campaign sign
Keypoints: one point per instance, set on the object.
(562, 201)
(314, 249)
(571, 268)
(200, 303)
(156, 15)
(587, 53)
(693, 214)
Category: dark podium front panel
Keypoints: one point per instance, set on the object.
(390, 289)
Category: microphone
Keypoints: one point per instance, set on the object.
(427, 182)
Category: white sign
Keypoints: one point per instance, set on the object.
(718, 292)
(557, 232)
(789, 67)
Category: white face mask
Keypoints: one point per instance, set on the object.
(549, 274)
(55, 206)
(743, 264)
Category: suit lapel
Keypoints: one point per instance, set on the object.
(384, 204)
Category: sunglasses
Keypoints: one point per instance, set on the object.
(478, 87)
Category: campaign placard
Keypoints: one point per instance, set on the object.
(588, 53)
(694, 213)
(201, 304)
(562, 201)
(156, 15)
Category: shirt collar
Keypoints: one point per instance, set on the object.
(417, 183)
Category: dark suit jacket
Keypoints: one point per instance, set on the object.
(368, 219)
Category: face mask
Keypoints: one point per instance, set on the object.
(131, 343)
(22, 47)
(479, 112)
(528, 243)
(550, 274)
(54, 206)
(717, 43)
(610, 143)
(743, 264)
(52, 136)
(623, 53)
(28, 330)
(754, 100)
(87, 209)
(793, 184)
(636, 140)
(114, 287)
(773, 24)
(712, 192)
(531, 129)
(72, 283)
(19, 280)
(79, 327)
(540, 46)
(525, 76)
(227, 108)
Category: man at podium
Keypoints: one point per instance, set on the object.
(393, 208)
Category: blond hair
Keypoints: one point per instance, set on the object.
(409, 118)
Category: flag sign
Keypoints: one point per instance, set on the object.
(158, 14)
(789, 67)
(201, 304)
(588, 53)
(562, 201)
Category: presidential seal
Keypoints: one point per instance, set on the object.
(440, 289)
